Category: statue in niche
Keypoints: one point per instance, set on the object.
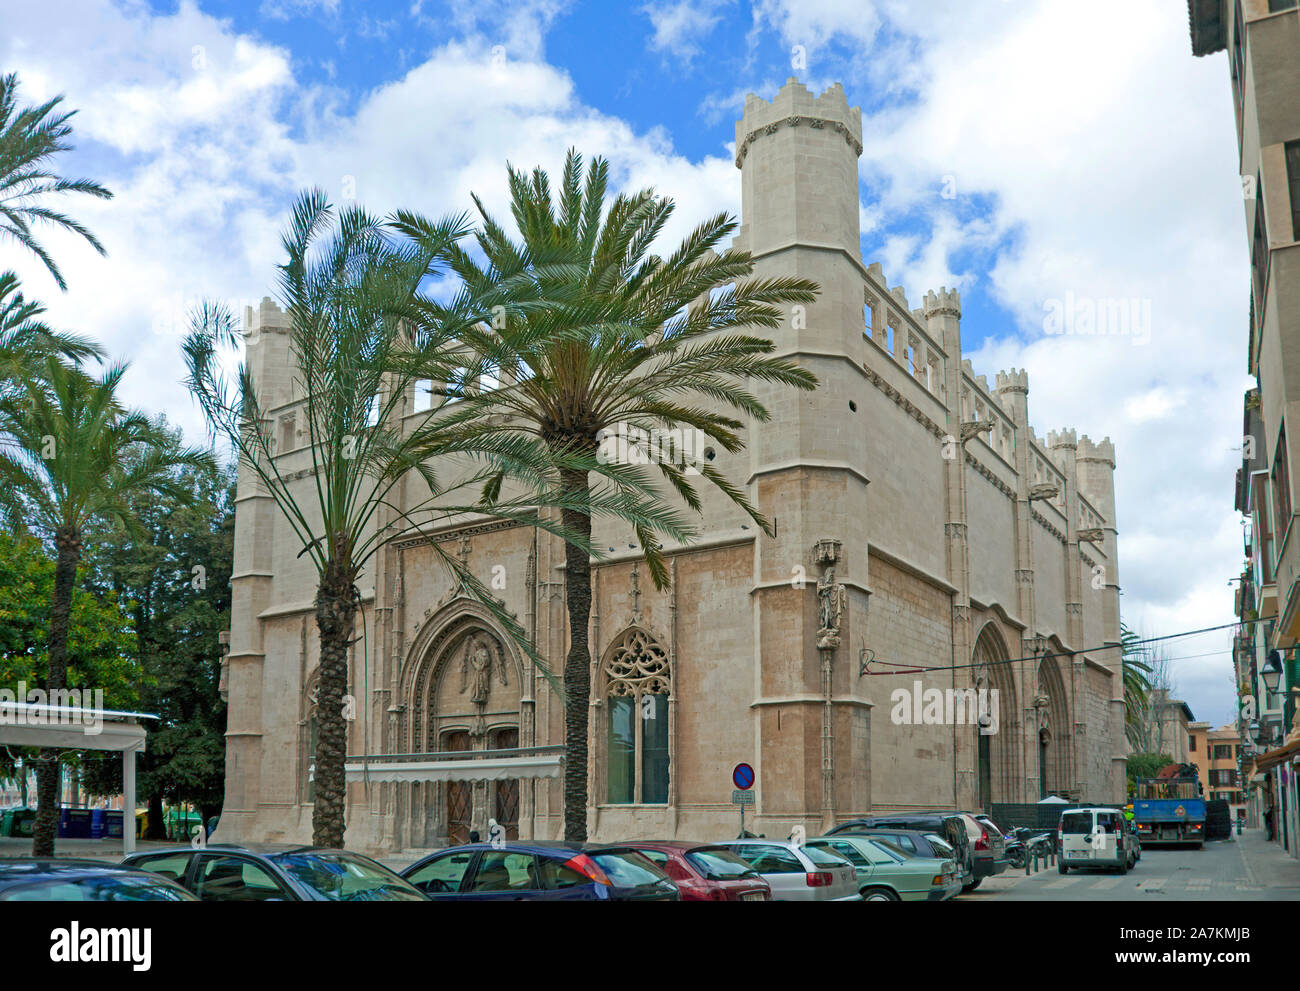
(832, 597)
(476, 670)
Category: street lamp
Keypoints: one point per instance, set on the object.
(1271, 672)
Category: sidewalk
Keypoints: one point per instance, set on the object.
(107, 850)
(1267, 863)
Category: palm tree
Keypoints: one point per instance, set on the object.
(29, 138)
(354, 302)
(590, 332)
(1137, 686)
(77, 457)
(26, 340)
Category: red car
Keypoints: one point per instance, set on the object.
(705, 872)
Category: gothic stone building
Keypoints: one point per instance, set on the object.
(920, 524)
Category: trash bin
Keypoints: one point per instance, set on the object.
(97, 824)
(24, 822)
(75, 824)
(112, 824)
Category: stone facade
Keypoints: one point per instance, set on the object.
(920, 523)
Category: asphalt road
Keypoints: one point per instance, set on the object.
(1242, 869)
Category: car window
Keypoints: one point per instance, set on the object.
(822, 857)
(771, 859)
(120, 888)
(902, 841)
(442, 874)
(627, 868)
(941, 847)
(235, 879)
(851, 852)
(894, 851)
(556, 874)
(718, 864)
(656, 857)
(1076, 823)
(172, 866)
(501, 870)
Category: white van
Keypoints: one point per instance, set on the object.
(1095, 837)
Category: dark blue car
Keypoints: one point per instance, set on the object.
(523, 871)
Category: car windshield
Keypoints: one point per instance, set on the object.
(628, 869)
(824, 858)
(718, 864)
(342, 877)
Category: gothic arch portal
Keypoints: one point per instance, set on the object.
(996, 752)
(1054, 726)
(463, 688)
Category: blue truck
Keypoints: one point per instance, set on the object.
(1170, 808)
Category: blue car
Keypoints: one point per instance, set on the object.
(524, 871)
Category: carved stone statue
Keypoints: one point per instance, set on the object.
(476, 669)
(832, 597)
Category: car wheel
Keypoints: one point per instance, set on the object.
(1122, 869)
(1060, 866)
(878, 895)
(972, 885)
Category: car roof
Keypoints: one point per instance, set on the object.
(256, 849)
(23, 869)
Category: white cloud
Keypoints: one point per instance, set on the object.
(681, 26)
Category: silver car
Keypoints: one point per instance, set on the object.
(798, 873)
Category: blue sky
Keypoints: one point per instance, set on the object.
(1085, 161)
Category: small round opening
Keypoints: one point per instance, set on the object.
(710, 454)
(853, 406)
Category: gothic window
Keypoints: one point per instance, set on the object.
(638, 682)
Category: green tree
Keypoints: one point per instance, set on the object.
(1144, 766)
(30, 138)
(361, 337)
(101, 642)
(593, 332)
(173, 575)
(77, 456)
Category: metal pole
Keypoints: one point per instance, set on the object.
(128, 788)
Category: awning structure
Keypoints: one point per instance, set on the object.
(63, 727)
(1273, 757)
(465, 765)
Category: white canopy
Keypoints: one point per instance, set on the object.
(63, 727)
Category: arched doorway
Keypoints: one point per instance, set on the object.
(464, 697)
(996, 751)
(1054, 738)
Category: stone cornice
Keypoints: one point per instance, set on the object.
(463, 530)
(817, 123)
(902, 402)
(1042, 521)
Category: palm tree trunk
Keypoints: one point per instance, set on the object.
(336, 610)
(577, 665)
(67, 543)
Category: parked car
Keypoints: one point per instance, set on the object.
(799, 873)
(886, 873)
(950, 826)
(988, 847)
(913, 842)
(706, 872)
(269, 873)
(547, 871)
(1096, 838)
(39, 879)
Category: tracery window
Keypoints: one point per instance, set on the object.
(638, 681)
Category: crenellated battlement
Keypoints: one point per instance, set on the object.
(1102, 451)
(795, 106)
(1065, 438)
(1016, 380)
(944, 301)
